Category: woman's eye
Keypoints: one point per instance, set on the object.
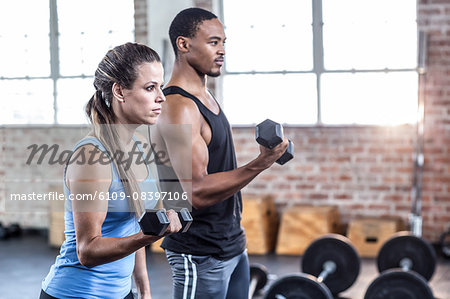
(151, 87)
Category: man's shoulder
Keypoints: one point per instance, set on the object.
(179, 102)
(178, 109)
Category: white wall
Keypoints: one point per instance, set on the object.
(160, 14)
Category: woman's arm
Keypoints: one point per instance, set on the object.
(91, 180)
(140, 274)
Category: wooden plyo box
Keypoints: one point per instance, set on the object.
(260, 221)
(56, 228)
(302, 224)
(56, 234)
(368, 234)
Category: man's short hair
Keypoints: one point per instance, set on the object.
(186, 24)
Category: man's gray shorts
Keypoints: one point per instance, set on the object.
(203, 277)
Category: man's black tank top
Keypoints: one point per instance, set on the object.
(215, 230)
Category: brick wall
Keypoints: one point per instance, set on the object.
(140, 21)
(368, 170)
(364, 170)
(19, 177)
(434, 18)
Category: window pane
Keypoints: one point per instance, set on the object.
(369, 98)
(73, 94)
(26, 101)
(250, 99)
(263, 36)
(24, 38)
(370, 34)
(83, 42)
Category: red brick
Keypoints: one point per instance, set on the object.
(345, 178)
(305, 186)
(380, 188)
(327, 168)
(343, 196)
(317, 196)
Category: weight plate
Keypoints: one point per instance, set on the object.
(338, 249)
(298, 286)
(396, 283)
(258, 272)
(406, 245)
(445, 244)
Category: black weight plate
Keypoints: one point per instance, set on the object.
(260, 273)
(298, 286)
(396, 283)
(406, 245)
(336, 248)
(445, 244)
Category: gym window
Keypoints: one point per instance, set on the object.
(360, 67)
(50, 50)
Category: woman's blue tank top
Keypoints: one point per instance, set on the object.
(67, 278)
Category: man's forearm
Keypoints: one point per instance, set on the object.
(216, 187)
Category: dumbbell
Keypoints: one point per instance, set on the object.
(155, 222)
(406, 263)
(185, 219)
(330, 265)
(258, 279)
(269, 134)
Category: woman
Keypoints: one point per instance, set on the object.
(104, 245)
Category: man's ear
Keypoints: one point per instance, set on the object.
(182, 44)
(118, 92)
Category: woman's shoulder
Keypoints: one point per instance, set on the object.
(89, 162)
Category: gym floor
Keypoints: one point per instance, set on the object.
(24, 262)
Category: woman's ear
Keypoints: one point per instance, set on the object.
(182, 44)
(118, 92)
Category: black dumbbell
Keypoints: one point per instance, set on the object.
(185, 219)
(269, 134)
(258, 279)
(406, 263)
(330, 264)
(155, 222)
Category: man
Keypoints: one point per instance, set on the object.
(209, 260)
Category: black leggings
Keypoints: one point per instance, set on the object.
(44, 295)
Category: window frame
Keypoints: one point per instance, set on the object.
(318, 67)
(55, 74)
